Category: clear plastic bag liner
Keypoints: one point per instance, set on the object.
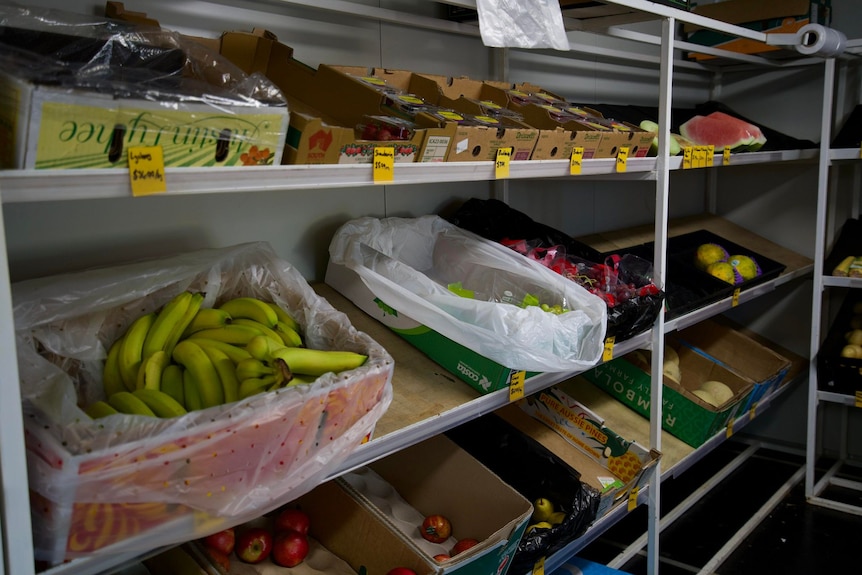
(409, 264)
(522, 24)
(184, 477)
(66, 50)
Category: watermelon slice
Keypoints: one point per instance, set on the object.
(722, 130)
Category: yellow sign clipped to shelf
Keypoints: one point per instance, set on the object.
(501, 165)
(576, 161)
(633, 498)
(687, 153)
(735, 299)
(539, 566)
(384, 164)
(725, 156)
(516, 387)
(730, 428)
(622, 159)
(859, 399)
(147, 170)
(608, 353)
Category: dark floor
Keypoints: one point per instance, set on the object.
(795, 538)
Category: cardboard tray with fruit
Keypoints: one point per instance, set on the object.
(130, 482)
(839, 360)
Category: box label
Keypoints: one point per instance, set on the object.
(88, 136)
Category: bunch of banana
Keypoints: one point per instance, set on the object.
(187, 357)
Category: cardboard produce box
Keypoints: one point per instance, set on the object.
(487, 99)
(316, 135)
(684, 414)
(77, 107)
(130, 483)
(745, 357)
(350, 92)
(768, 16)
(438, 477)
(611, 464)
(482, 374)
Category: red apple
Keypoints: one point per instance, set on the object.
(463, 545)
(289, 548)
(401, 571)
(292, 520)
(223, 541)
(436, 528)
(440, 557)
(219, 558)
(253, 545)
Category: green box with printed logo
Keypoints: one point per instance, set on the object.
(482, 374)
(684, 414)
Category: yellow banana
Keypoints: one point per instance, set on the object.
(255, 385)
(234, 352)
(192, 356)
(166, 320)
(150, 372)
(251, 308)
(207, 318)
(317, 361)
(112, 379)
(253, 367)
(843, 268)
(99, 409)
(127, 402)
(261, 348)
(180, 328)
(132, 349)
(264, 330)
(172, 382)
(226, 370)
(162, 404)
(284, 317)
(191, 395)
(232, 333)
(289, 336)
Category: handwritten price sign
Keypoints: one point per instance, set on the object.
(147, 170)
(384, 164)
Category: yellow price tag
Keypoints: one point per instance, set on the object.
(725, 156)
(384, 164)
(608, 353)
(622, 159)
(516, 387)
(576, 161)
(539, 567)
(859, 399)
(735, 300)
(633, 498)
(730, 428)
(501, 166)
(687, 153)
(147, 170)
(752, 412)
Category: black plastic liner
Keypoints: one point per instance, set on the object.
(534, 472)
(630, 311)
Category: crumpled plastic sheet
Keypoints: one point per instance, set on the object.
(522, 24)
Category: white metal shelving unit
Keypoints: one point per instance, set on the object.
(816, 488)
(31, 186)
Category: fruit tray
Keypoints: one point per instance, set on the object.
(836, 373)
(682, 249)
(846, 245)
(130, 483)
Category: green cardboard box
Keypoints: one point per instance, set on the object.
(684, 414)
(482, 374)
